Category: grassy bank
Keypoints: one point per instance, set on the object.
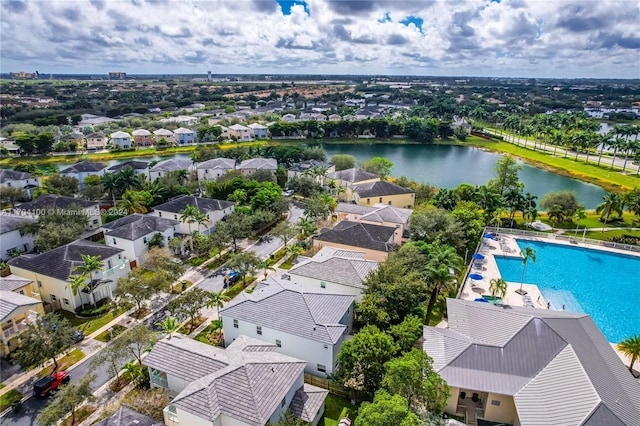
(601, 176)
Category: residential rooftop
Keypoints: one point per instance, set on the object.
(10, 302)
(11, 223)
(171, 165)
(218, 163)
(13, 282)
(52, 201)
(380, 189)
(84, 167)
(204, 205)
(259, 163)
(346, 271)
(11, 175)
(364, 235)
(353, 175)
(137, 226)
(134, 164)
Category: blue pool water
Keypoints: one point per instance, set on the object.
(602, 284)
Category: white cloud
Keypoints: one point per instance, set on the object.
(571, 38)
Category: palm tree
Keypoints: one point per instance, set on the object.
(110, 184)
(127, 178)
(216, 299)
(630, 347)
(612, 202)
(76, 283)
(527, 253)
(578, 216)
(442, 259)
(169, 325)
(190, 214)
(266, 266)
(498, 286)
(90, 265)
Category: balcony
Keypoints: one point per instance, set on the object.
(170, 416)
(14, 329)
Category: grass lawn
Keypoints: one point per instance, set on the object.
(237, 288)
(609, 179)
(105, 336)
(8, 398)
(218, 261)
(277, 256)
(65, 362)
(337, 408)
(606, 236)
(188, 327)
(177, 288)
(89, 325)
(287, 264)
(212, 335)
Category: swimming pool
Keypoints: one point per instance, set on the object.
(602, 284)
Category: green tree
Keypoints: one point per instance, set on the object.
(216, 299)
(528, 253)
(44, 142)
(136, 201)
(433, 225)
(412, 376)
(611, 202)
(90, 264)
(566, 203)
(407, 333)
(188, 305)
(66, 401)
(245, 262)
(56, 228)
(77, 283)
(343, 161)
(135, 288)
(361, 359)
(169, 326)
(237, 226)
(166, 268)
(114, 356)
(10, 194)
(386, 410)
(442, 259)
(138, 340)
(61, 185)
(378, 165)
(630, 347)
(110, 185)
(26, 143)
(498, 287)
(43, 340)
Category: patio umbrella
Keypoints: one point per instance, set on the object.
(481, 299)
(489, 236)
(478, 256)
(476, 276)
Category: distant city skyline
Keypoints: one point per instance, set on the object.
(476, 38)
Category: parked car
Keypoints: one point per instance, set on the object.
(288, 192)
(50, 383)
(231, 278)
(78, 336)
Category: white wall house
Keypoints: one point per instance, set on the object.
(83, 169)
(96, 141)
(50, 271)
(240, 133)
(134, 232)
(121, 140)
(48, 202)
(12, 241)
(322, 319)
(214, 209)
(206, 381)
(170, 165)
(378, 214)
(249, 167)
(214, 168)
(13, 179)
(258, 131)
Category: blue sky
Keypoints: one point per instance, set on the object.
(519, 38)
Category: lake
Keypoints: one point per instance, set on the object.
(447, 166)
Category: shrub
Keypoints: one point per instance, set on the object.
(101, 308)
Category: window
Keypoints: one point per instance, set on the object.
(284, 402)
(323, 284)
(119, 256)
(21, 292)
(53, 298)
(159, 214)
(39, 283)
(66, 301)
(114, 241)
(144, 240)
(368, 200)
(495, 402)
(389, 202)
(380, 199)
(326, 346)
(322, 368)
(235, 323)
(259, 330)
(95, 221)
(278, 343)
(109, 266)
(175, 217)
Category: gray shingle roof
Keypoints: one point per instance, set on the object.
(385, 213)
(51, 201)
(353, 175)
(218, 163)
(549, 361)
(364, 235)
(84, 166)
(137, 226)
(8, 175)
(308, 164)
(58, 263)
(13, 282)
(10, 301)
(171, 165)
(307, 401)
(247, 387)
(354, 208)
(134, 164)
(259, 163)
(95, 135)
(204, 205)
(350, 272)
(11, 223)
(125, 416)
(380, 189)
(317, 316)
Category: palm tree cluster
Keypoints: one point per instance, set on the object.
(79, 283)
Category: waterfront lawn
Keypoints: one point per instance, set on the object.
(336, 408)
(605, 236)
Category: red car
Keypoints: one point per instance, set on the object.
(49, 383)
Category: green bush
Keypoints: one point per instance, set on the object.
(101, 308)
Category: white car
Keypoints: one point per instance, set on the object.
(288, 192)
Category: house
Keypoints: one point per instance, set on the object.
(51, 271)
(121, 140)
(214, 168)
(51, 202)
(15, 242)
(247, 384)
(215, 210)
(140, 167)
(240, 133)
(134, 232)
(9, 145)
(249, 167)
(333, 270)
(95, 141)
(142, 137)
(527, 366)
(125, 416)
(164, 134)
(258, 131)
(84, 169)
(322, 319)
(378, 214)
(334, 117)
(171, 165)
(307, 167)
(72, 138)
(289, 118)
(19, 306)
(184, 136)
(374, 240)
(224, 132)
(350, 177)
(13, 179)
(383, 192)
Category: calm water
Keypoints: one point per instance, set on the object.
(602, 284)
(447, 166)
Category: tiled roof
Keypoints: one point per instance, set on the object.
(183, 131)
(10, 175)
(204, 205)
(257, 126)
(350, 272)
(364, 235)
(380, 189)
(134, 164)
(10, 301)
(84, 166)
(95, 135)
(11, 223)
(354, 208)
(259, 163)
(125, 416)
(238, 127)
(317, 315)
(137, 226)
(308, 164)
(51, 201)
(172, 165)
(120, 135)
(547, 360)
(218, 163)
(163, 132)
(58, 263)
(353, 175)
(141, 132)
(385, 213)
(13, 282)
(307, 401)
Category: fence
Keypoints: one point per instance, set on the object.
(335, 388)
(571, 239)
